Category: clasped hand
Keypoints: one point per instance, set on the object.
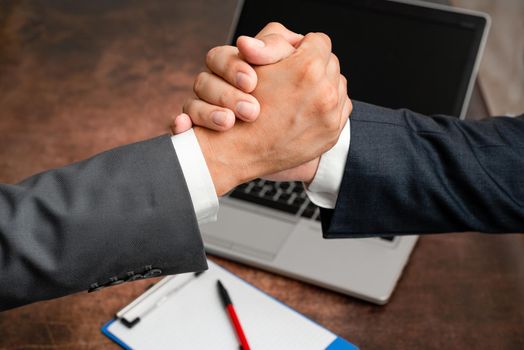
(280, 97)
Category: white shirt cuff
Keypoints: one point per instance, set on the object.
(324, 189)
(198, 178)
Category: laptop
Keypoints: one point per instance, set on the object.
(415, 55)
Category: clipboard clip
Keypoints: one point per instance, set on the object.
(153, 298)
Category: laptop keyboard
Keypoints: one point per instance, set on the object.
(288, 197)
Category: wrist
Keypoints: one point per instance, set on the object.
(225, 170)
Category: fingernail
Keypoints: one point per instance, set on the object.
(243, 81)
(246, 109)
(219, 118)
(256, 42)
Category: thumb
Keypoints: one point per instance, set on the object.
(180, 124)
(267, 49)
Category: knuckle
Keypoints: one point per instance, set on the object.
(334, 125)
(332, 129)
(200, 81)
(312, 69)
(310, 36)
(211, 54)
(335, 59)
(274, 26)
(344, 80)
(325, 38)
(319, 38)
(349, 105)
(344, 86)
(234, 65)
(225, 97)
(328, 98)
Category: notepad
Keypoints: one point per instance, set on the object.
(185, 312)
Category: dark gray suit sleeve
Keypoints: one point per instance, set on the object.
(409, 174)
(122, 215)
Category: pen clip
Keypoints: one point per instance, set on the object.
(151, 299)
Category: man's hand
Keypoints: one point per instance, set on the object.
(304, 106)
(232, 79)
(227, 90)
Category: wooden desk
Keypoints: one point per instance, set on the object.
(77, 78)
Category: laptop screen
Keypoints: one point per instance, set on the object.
(394, 54)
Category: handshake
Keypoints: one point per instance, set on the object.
(269, 107)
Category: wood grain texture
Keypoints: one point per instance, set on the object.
(77, 78)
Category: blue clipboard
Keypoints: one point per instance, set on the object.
(142, 335)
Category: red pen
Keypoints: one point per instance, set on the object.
(228, 304)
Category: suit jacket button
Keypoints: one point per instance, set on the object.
(114, 281)
(134, 277)
(94, 288)
(153, 273)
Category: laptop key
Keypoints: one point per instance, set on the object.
(284, 197)
(298, 190)
(270, 194)
(309, 211)
(298, 201)
(256, 190)
(284, 185)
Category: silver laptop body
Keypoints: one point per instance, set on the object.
(289, 242)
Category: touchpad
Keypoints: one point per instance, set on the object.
(246, 232)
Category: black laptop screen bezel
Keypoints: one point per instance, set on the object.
(422, 11)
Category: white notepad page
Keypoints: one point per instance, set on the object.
(195, 318)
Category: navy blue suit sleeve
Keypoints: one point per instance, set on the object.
(410, 174)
